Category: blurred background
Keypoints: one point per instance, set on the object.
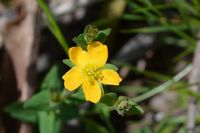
(153, 43)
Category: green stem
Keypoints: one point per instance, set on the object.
(53, 26)
(165, 85)
(109, 124)
(65, 94)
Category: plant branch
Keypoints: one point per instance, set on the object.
(165, 85)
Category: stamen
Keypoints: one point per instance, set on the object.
(93, 73)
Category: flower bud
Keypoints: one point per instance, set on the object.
(90, 33)
(123, 105)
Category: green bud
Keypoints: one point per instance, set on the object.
(123, 105)
(90, 33)
(55, 97)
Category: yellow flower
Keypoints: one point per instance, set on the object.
(88, 71)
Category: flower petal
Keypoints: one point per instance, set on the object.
(110, 77)
(73, 78)
(92, 92)
(78, 56)
(98, 52)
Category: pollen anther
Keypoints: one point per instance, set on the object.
(93, 73)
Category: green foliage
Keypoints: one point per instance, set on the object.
(68, 63)
(147, 73)
(49, 123)
(104, 112)
(6, 2)
(80, 41)
(174, 23)
(52, 80)
(168, 124)
(164, 86)
(53, 26)
(129, 89)
(143, 130)
(184, 22)
(52, 105)
(76, 98)
(91, 33)
(68, 111)
(179, 28)
(110, 66)
(125, 105)
(40, 101)
(102, 35)
(91, 126)
(16, 110)
(109, 99)
(136, 110)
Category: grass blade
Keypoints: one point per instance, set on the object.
(53, 25)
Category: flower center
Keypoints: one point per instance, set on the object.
(93, 73)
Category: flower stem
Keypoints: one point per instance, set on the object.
(109, 124)
(65, 94)
(165, 85)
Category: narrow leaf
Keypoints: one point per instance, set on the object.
(110, 66)
(39, 101)
(102, 35)
(80, 41)
(49, 123)
(68, 63)
(16, 110)
(109, 99)
(53, 25)
(52, 81)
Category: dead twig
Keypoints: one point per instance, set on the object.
(194, 78)
(21, 45)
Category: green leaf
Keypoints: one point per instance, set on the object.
(39, 101)
(104, 112)
(80, 41)
(155, 29)
(16, 110)
(136, 110)
(102, 35)
(68, 111)
(49, 123)
(132, 89)
(76, 98)
(110, 66)
(150, 5)
(92, 126)
(188, 92)
(133, 17)
(142, 130)
(185, 8)
(103, 21)
(142, 10)
(68, 63)
(109, 99)
(150, 74)
(52, 81)
(101, 87)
